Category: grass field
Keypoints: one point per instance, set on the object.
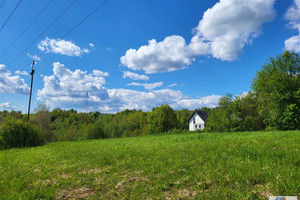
(250, 165)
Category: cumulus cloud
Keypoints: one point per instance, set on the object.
(222, 33)
(293, 15)
(121, 99)
(208, 101)
(100, 73)
(11, 84)
(60, 46)
(168, 55)
(66, 88)
(135, 76)
(19, 72)
(231, 24)
(148, 86)
(91, 45)
(34, 57)
(6, 106)
(75, 89)
(293, 12)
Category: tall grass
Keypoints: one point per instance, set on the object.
(249, 165)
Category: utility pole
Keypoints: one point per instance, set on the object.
(32, 72)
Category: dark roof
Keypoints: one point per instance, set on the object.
(202, 114)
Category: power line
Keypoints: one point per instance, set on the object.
(68, 32)
(78, 24)
(27, 27)
(72, 29)
(10, 14)
(57, 18)
(2, 4)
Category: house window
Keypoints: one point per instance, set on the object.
(194, 121)
(199, 126)
(195, 126)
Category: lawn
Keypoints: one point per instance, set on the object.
(249, 165)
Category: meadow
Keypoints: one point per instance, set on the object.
(243, 165)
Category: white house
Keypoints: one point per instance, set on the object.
(197, 120)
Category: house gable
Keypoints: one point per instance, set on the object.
(197, 120)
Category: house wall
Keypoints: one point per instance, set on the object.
(198, 121)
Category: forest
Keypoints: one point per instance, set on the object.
(272, 104)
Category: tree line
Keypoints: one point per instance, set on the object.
(273, 104)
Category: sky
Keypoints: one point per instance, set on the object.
(138, 54)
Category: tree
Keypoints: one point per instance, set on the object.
(236, 114)
(161, 120)
(277, 87)
(182, 117)
(43, 119)
(219, 118)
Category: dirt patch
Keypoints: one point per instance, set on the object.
(181, 194)
(37, 170)
(45, 182)
(120, 185)
(167, 195)
(262, 191)
(186, 193)
(98, 180)
(96, 171)
(65, 176)
(75, 193)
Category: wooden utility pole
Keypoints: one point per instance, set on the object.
(32, 72)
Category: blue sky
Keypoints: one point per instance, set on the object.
(140, 54)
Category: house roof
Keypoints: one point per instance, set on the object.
(201, 114)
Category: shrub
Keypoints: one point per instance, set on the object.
(95, 131)
(15, 133)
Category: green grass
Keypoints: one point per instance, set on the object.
(250, 165)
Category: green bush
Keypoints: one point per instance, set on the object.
(95, 131)
(18, 134)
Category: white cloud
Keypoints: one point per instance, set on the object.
(6, 106)
(91, 45)
(34, 57)
(208, 101)
(121, 99)
(173, 85)
(19, 72)
(135, 76)
(223, 32)
(148, 86)
(169, 55)
(11, 84)
(66, 88)
(60, 46)
(75, 89)
(231, 24)
(293, 43)
(108, 49)
(293, 12)
(293, 15)
(100, 73)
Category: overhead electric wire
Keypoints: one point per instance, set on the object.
(74, 27)
(27, 27)
(2, 4)
(57, 18)
(10, 14)
(78, 24)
